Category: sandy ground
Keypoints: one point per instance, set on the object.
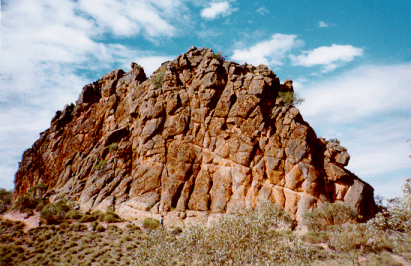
(31, 221)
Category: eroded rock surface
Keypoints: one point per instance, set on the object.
(201, 137)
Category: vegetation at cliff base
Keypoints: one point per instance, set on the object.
(6, 199)
(331, 234)
(264, 236)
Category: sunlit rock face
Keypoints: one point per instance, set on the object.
(201, 137)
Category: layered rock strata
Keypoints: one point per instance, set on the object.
(199, 138)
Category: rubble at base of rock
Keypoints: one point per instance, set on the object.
(207, 137)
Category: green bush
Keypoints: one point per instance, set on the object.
(74, 214)
(249, 238)
(219, 56)
(100, 228)
(113, 147)
(111, 217)
(132, 227)
(158, 78)
(64, 225)
(396, 216)
(334, 140)
(93, 225)
(350, 239)
(41, 205)
(6, 198)
(54, 213)
(98, 215)
(290, 97)
(79, 227)
(87, 218)
(320, 218)
(25, 203)
(101, 163)
(38, 190)
(151, 223)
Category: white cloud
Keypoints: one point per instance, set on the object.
(328, 56)
(269, 52)
(322, 24)
(127, 18)
(262, 10)
(55, 47)
(359, 93)
(217, 9)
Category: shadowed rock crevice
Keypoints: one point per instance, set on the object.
(200, 137)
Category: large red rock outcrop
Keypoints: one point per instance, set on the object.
(202, 137)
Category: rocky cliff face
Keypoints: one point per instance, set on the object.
(202, 137)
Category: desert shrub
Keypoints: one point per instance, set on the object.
(113, 147)
(38, 190)
(290, 97)
(79, 227)
(6, 197)
(249, 238)
(100, 228)
(64, 225)
(219, 56)
(350, 239)
(114, 228)
(7, 223)
(158, 78)
(41, 205)
(127, 238)
(54, 213)
(74, 214)
(320, 218)
(98, 215)
(25, 203)
(87, 218)
(18, 225)
(334, 140)
(132, 227)
(111, 217)
(396, 215)
(176, 231)
(100, 164)
(151, 223)
(93, 225)
(314, 237)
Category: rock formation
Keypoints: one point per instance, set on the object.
(201, 137)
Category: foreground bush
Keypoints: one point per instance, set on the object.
(151, 223)
(320, 218)
(25, 203)
(6, 197)
(253, 237)
(54, 213)
(396, 216)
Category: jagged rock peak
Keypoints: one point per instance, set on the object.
(201, 137)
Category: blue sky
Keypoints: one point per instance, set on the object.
(350, 60)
